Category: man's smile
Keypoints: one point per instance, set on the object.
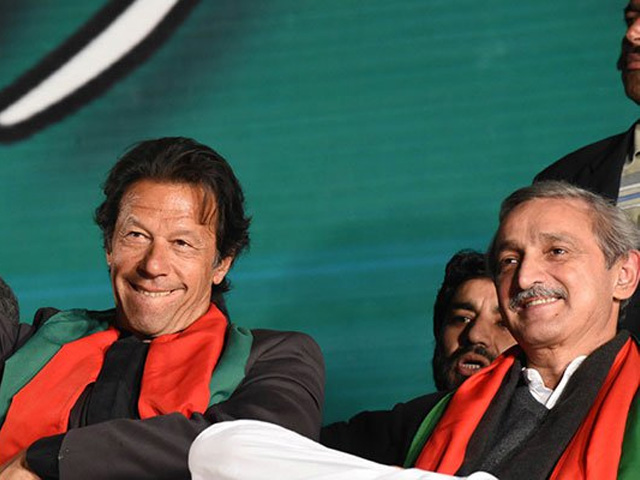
(152, 293)
(535, 296)
(539, 301)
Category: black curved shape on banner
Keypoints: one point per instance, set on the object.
(98, 85)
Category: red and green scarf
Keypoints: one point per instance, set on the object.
(44, 379)
(606, 445)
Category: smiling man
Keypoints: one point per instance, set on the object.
(611, 167)
(562, 404)
(121, 394)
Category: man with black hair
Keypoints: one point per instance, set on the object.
(470, 333)
(467, 324)
(121, 394)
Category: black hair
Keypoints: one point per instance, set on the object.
(182, 160)
(464, 265)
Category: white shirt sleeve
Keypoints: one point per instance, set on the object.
(249, 449)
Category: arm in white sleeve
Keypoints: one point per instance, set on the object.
(262, 451)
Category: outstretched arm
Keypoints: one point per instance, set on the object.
(262, 451)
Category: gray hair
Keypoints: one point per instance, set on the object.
(615, 233)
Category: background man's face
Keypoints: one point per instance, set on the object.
(553, 283)
(162, 258)
(473, 333)
(629, 61)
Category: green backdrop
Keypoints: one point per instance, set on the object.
(373, 139)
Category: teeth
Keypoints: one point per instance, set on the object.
(541, 301)
(154, 294)
(471, 366)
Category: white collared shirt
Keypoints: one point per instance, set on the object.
(541, 392)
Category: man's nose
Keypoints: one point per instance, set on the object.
(529, 272)
(155, 261)
(633, 32)
(479, 331)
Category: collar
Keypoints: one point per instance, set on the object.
(543, 394)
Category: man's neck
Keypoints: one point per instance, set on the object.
(551, 362)
(550, 371)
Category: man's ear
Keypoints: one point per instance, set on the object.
(107, 254)
(628, 276)
(221, 269)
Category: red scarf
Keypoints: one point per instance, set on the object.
(596, 447)
(176, 378)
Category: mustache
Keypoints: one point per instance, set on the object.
(627, 49)
(477, 349)
(444, 372)
(537, 290)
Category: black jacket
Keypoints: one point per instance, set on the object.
(283, 384)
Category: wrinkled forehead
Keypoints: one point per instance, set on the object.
(206, 204)
(548, 218)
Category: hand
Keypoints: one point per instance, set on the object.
(17, 469)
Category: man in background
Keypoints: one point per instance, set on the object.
(470, 333)
(467, 324)
(611, 167)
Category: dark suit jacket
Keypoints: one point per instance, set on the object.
(386, 436)
(283, 384)
(381, 436)
(597, 167)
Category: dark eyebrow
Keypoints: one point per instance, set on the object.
(629, 8)
(462, 306)
(132, 220)
(506, 245)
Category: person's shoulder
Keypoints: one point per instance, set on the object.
(43, 314)
(409, 412)
(382, 436)
(586, 155)
(423, 403)
(46, 314)
(268, 339)
(296, 351)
